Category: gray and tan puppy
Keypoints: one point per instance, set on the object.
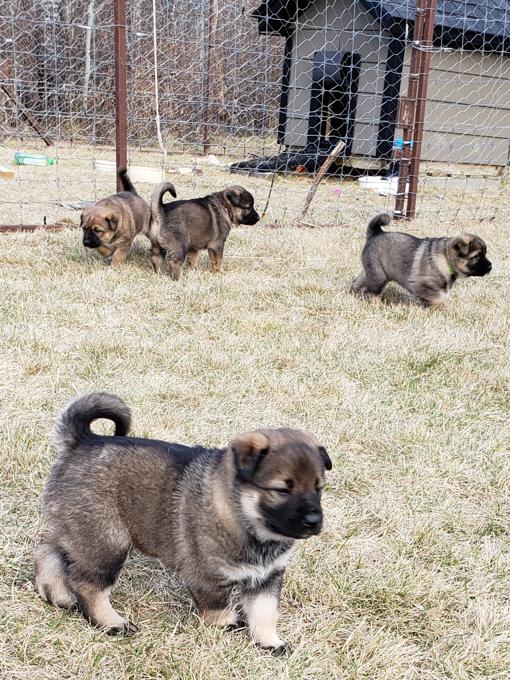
(224, 519)
(426, 267)
(180, 229)
(110, 226)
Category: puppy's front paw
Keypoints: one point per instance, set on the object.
(280, 650)
(125, 630)
(240, 624)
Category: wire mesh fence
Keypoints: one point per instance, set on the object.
(269, 87)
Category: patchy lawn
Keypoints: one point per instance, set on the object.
(411, 575)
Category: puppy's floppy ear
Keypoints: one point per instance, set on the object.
(234, 196)
(111, 222)
(461, 245)
(325, 457)
(249, 450)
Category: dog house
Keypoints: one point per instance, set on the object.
(347, 64)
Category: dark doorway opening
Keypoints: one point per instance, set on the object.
(335, 81)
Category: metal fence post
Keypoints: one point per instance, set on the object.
(412, 108)
(210, 47)
(425, 46)
(119, 12)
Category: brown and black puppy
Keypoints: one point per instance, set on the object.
(111, 225)
(224, 519)
(180, 229)
(426, 267)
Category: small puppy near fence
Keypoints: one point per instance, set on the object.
(224, 519)
(180, 229)
(110, 226)
(426, 267)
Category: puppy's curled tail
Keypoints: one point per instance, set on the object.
(375, 224)
(74, 423)
(157, 197)
(127, 185)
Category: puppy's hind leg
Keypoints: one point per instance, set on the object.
(376, 280)
(95, 605)
(92, 584)
(359, 283)
(192, 258)
(157, 258)
(174, 268)
(175, 257)
(50, 568)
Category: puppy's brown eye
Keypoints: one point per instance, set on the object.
(289, 483)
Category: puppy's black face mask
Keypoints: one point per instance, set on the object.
(252, 217)
(91, 239)
(479, 265)
(298, 516)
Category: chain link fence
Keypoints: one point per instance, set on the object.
(268, 86)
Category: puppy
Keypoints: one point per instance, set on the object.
(224, 519)
(111, 225)
(180, 229)
(426, 267)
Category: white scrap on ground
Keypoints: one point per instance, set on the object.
(384, 186)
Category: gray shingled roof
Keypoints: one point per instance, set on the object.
(485, 19)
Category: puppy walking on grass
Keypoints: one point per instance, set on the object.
(224, 519)
(110, 226)
(426, 267)
(181, 229)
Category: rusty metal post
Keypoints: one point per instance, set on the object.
(425, 47)
(119, 19)
(412, 107)
(210, 47)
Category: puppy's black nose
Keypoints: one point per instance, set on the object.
(312, 519)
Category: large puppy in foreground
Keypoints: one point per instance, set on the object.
(426, 267)
(111, 225)
(180, 229)
(224, 519)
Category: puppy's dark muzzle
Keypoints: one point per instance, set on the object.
(483, 269)
(91, 240)
(252, 218)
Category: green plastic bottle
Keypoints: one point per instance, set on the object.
(21, 158)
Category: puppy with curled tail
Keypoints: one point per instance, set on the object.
(225, 520)
(110, 226)
(181, 229)
(426, 267)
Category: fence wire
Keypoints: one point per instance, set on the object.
(270, 86)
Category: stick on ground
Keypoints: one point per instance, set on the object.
(319, 176)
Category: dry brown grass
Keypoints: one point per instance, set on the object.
(411, 576)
